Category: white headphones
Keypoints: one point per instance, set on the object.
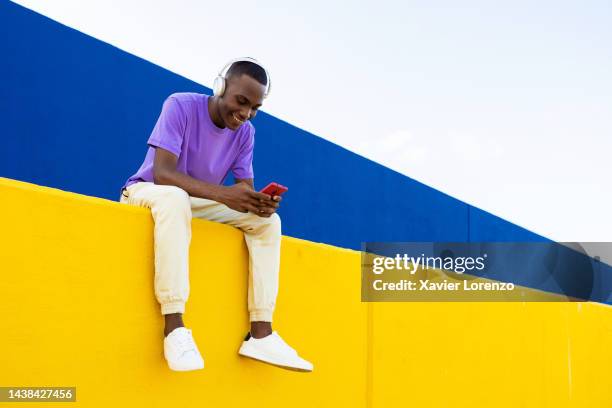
(220, 81)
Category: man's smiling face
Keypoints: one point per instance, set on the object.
(242, 98)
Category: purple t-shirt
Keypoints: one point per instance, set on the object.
(204, 151)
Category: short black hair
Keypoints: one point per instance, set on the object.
(248, 68)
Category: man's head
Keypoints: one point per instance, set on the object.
(246, 84)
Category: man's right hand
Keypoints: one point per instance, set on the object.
(242, 198)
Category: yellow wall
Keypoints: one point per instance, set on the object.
(78, 310)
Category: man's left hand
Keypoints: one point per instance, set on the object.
(269, 207)
(266, 207)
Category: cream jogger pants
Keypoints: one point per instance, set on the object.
(172, 209)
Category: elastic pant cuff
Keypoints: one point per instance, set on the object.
(173, 307)
(260, 315)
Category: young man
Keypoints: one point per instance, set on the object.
(197, 140)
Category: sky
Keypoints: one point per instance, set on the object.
(504, 105)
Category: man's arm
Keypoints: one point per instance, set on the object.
(240, 197)
(248, 182)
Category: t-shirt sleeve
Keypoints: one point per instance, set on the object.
(170, 127)
(243, 165)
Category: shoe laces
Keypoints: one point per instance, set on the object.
(185, 343)
(287, 348)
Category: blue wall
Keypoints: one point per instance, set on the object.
(76, 114)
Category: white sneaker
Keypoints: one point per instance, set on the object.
(181, 351)
(272, 349)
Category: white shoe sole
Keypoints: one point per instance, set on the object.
(177, 368)
(247, 351)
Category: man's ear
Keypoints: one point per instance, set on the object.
(229, 83)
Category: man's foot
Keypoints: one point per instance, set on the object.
(272, 349)
(181, 351)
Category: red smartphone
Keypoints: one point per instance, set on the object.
(274, 189)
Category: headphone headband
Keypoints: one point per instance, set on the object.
(219, 85)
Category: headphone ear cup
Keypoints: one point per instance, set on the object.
(219, 86)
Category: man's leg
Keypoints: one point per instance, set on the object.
(171, 254)
(263, 239)
(171, 211)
